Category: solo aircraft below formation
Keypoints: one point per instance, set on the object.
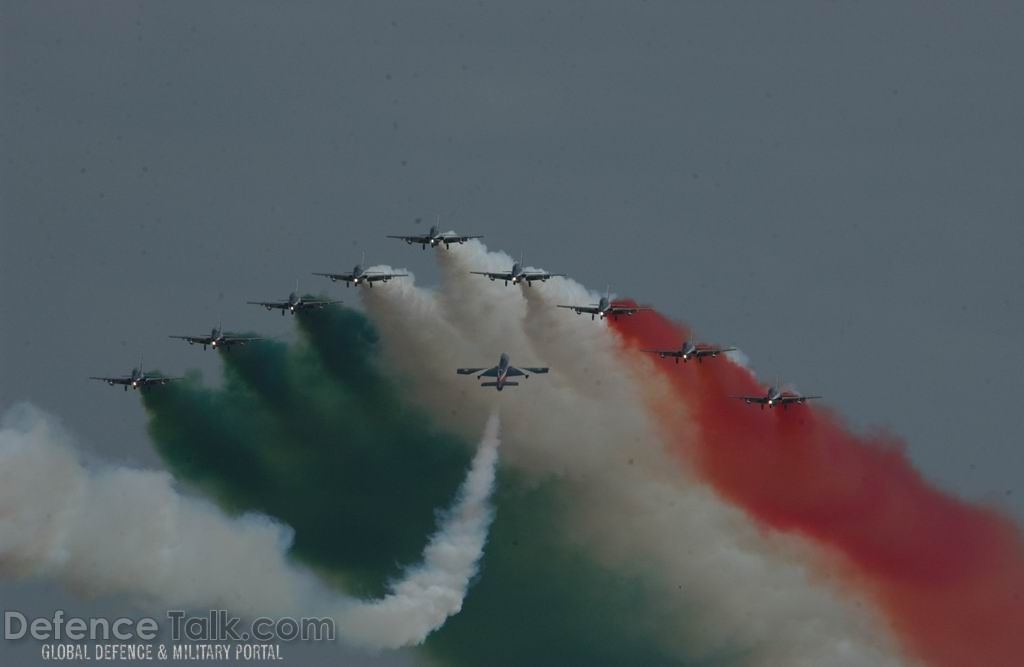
(775, 396)
(137, 378)
(434, 237)
(294, 303)
(518, 275)
(359, 276)
(605, 308)
(501, 373)
(218, 339)
(689, 350)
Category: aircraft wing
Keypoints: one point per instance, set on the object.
(493, 370)
(455, 238)
(411, 239)
(711, 351)
(319, 303)
(271, 304)
(665, 353)
(751, 399)
(117, 380)
(516, 371)
(530, 276)
(493, 276)
(335, 276)
(590, 310)
(240, 340)
(158, 380)
(625, 310)
(796, 399)
(199, 340)
(376, 277)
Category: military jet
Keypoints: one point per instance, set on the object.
(776, 396)
(294, 303)
(137, 378)
(689, 350)
(501, 373)
(518, 275)
(434, 237)
(218, 339)
(605, 308)
(359, 276)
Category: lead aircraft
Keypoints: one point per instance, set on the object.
(501, 373)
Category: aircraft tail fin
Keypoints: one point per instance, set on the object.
(495, 384)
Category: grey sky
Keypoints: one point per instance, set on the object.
(834, 188)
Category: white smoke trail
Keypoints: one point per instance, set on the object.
(117, 530)
(433, 591)
(481, 304)
(588, 423)
(739, 358)
(109, 530)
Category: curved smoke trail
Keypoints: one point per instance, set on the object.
(118, 530)
(431, 592)
(949, 574)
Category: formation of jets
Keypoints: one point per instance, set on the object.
(499, 376)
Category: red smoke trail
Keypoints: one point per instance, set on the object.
(948, 574)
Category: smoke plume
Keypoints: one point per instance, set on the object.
(108, 530)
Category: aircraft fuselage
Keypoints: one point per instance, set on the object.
(502, 376)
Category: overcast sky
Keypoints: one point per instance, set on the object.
(834, 188)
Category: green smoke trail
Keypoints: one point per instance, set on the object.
(285, 437)
(315, 434)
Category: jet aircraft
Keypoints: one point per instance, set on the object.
(218, 339)
(518, 275)
(689, 350)
(776, 396)
(434, 237)
(359, 276)
(605, 308)
(137, 378)
(501, 373)
(294, 303)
